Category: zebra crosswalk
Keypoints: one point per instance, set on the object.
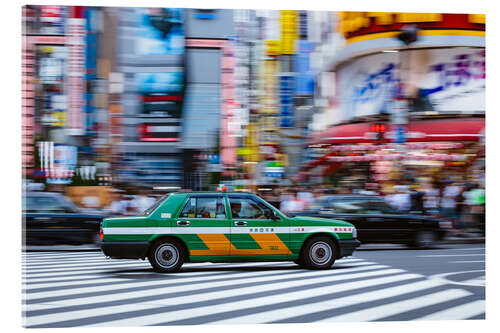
(86, 289)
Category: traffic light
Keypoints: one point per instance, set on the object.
(379, 129)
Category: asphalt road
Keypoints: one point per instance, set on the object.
(378, 283)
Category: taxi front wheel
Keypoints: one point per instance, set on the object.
(166, 256)
(319, 253)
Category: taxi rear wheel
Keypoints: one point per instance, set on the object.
(166, 256)
(319, 253)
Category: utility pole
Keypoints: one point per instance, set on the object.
(400, 116)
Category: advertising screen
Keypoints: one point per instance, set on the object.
(160, 31)
(161, 93)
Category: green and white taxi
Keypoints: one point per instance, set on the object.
(224, 227)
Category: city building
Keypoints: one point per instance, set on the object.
(384, 103)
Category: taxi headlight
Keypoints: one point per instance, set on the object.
(354, 233)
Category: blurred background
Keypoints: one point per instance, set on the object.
(123, 105)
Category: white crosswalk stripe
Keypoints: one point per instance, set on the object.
(460, 312)
(300, 310)
(62, 289)
(387, 310)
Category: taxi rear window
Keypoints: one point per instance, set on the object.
(155, 205)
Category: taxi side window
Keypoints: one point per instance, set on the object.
(189, 208)
(245, 208)
(207, 208)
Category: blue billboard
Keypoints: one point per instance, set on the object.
(286, 100)
(160, 31)
(166, 82)
(304, 84)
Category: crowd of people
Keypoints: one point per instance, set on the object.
(461, 204)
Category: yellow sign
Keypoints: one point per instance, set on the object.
(273, 47)
(477, 18)
(385, 22)
(288, 21)
(60, 118)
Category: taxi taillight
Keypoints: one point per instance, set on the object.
(101, 234)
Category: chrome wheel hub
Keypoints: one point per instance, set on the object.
(321, 252)
(167, 255)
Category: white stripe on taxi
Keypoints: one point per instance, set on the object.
(224, 230)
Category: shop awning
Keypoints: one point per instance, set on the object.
(462, 129)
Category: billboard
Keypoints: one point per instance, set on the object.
(286, 100)
(161, 93)
(160, 31)
(451, 80)
(360, 26)
(51, 63)
(288, 20)
(52, 20)
(304, 84)
(75, 89)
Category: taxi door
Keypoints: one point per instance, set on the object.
(256, 230)
(203, 225)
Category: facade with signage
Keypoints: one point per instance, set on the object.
(443, 72)
(366, 120)
(150, 57)
(59, 68)
(451, 79)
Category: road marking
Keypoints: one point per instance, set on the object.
(130, 282)
(61, 256)
(460, 312)
(391, 309)
(198, 297)
(219, 281)
(443, 277)
(85, 267)
(451, 255)
(479, 281)
(110, 267)
(72, 267)
(466, 262)
(33, 297)
(161, 318)
(305, 309)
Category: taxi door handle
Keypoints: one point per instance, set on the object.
(240, 223)
(182, 222)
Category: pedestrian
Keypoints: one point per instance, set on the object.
(401, 200)
(431, 199)
(449, 203)
(141, 201)
(116, 205)
(286, 201)
(477, 198)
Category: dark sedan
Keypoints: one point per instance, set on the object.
(377, 222)
(51, 218)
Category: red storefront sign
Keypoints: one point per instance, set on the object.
(462, 129)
